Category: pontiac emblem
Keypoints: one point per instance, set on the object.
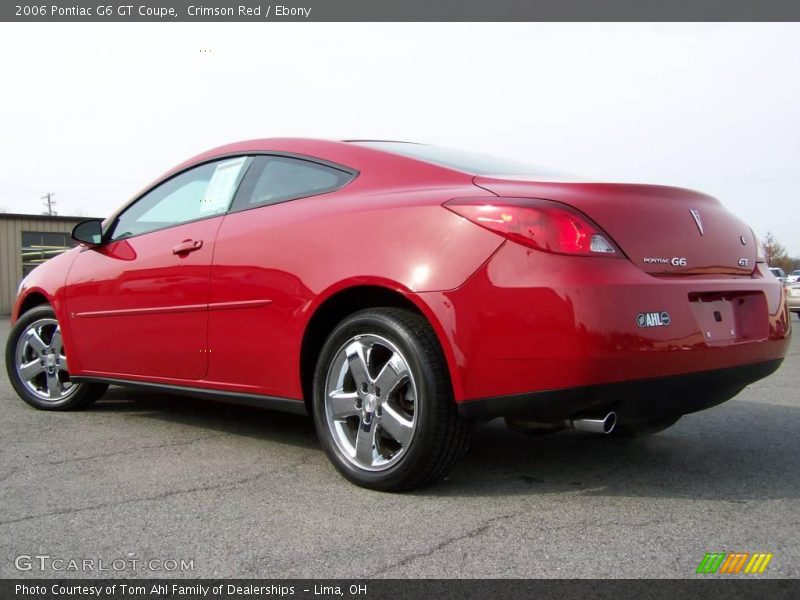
(696, 215)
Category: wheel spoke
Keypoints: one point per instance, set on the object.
(371, 425)
(42, 366)
(56, 342)
(397, 426)
(394, 372)
(54, 387)
(30, 370)
(365, 440)
(357, 361)
(36, 341)
(343, 404)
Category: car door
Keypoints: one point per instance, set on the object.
(138, 302)
(256, 294)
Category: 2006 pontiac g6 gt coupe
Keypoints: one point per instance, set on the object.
(399, 293)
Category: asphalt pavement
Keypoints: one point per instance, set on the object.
(240, 492)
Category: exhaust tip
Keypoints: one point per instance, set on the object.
(610, 422)
(603, 425)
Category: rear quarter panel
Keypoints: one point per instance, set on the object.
(298, 254)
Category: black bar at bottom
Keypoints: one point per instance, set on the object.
(734, 587)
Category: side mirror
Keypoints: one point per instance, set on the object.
(88, 232)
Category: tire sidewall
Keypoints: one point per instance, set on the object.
(428, 393)
(39, 312)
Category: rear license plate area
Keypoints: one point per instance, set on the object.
(726, 318)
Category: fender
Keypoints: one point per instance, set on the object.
(414, 298)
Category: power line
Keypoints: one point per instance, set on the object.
(50, 203)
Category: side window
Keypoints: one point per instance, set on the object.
(204, 191)
(273, 179)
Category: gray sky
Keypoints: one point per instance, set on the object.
(94, 112)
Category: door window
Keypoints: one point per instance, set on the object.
(200, 192)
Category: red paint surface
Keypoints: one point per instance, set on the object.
(511, 319)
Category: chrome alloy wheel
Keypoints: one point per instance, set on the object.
(41, 362)
(371, 402)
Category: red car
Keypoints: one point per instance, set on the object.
(401, 292)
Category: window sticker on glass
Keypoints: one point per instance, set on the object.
(222, 186)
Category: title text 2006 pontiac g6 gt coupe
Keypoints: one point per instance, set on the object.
(401, 292)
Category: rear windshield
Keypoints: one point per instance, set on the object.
(469, 162)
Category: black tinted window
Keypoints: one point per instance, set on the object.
(273, 179)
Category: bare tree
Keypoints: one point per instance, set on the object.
(775, 253)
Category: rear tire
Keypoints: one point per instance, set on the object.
(37, 364)
(406, 435)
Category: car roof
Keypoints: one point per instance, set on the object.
(348, 153)
(360, 154)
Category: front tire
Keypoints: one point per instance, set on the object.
(37, 364)
(383, 404)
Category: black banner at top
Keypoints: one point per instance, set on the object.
(397, 10)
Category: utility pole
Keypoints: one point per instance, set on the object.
(50, 203)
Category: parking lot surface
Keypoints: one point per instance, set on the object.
(247, 493)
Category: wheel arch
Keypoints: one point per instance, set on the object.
(340, 303)
(33, 298)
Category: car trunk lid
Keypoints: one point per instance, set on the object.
(663, 230)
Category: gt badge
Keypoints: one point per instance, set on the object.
(653, 319)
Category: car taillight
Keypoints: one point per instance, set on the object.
(540, 224)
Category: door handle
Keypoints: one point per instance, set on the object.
(187, 246)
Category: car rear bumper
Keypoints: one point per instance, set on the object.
(633, 401)
(530, 323)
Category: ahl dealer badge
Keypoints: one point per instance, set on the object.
(653, 319)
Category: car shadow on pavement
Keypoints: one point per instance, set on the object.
(297, 430)
(738, 452)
